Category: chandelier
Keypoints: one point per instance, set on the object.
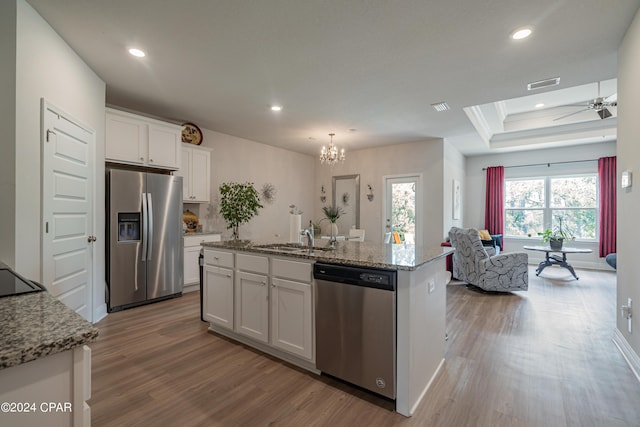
(330, 155)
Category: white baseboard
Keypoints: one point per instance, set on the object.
(627, 352)
(99, 313)
(192, 287)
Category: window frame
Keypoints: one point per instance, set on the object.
(547, 216)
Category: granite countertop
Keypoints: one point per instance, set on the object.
(365, 254)
(200, 233)
(37, 325)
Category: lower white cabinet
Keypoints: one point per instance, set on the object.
(218, 296)
(192, 246)
(292, 317)
(252, 305)
(267, 302)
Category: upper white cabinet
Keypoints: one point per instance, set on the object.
(138, 140)
(196, 174)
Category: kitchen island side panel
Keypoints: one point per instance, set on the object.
(421, 314)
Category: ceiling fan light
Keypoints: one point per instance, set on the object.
(604, 113)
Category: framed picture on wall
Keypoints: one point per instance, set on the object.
(457, 199)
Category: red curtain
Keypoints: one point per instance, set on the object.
(607, 181)
(494, 209)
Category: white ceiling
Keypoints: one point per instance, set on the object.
(334, 65)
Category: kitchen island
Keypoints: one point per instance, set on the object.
(247, 284)
(45, 366)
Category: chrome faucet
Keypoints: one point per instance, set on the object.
(309, 233)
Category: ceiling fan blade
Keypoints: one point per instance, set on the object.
(571, 114)
(604, 113)
(613, 99)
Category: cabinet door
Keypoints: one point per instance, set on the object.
(292, 317)
(218, 296)
(191, 265)
(200, 175)
(185, 173)
(125, 139)
(165, 147)
(252, 305)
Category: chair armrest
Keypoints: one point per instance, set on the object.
(505, 260)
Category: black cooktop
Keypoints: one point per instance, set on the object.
(12, 284)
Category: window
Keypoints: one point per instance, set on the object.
(534, 204)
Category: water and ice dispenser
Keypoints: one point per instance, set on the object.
(129, 227)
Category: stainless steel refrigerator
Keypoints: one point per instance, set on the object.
(144, 229)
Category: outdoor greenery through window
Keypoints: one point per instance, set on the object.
(535, 204)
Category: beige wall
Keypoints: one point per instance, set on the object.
(426, 158)
(628, 203)
(46, 67)
(241, 160)
(8, 125)
(454, 168)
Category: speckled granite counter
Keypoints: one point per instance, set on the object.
(365, 254)
(38, 325)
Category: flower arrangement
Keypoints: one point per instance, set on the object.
(332, 213)
(557, 236)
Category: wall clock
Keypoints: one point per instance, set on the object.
(191, 134)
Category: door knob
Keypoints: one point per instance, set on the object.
(91, 239)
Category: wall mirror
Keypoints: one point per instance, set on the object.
(346, 195)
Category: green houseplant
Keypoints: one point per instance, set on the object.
(238, 204)
(556, 237)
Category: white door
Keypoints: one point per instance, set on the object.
(403, 208)
(67, 209)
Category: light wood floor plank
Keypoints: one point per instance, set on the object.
(539, 358)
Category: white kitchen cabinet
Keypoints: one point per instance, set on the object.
(292, 317)
(137, 140)
(192, 246)
(218, 296)
(196, 174)
(252, 305)
(291, 307)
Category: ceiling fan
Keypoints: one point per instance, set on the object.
(599, 105)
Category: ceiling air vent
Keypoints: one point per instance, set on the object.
(544, 83)
(440, 106)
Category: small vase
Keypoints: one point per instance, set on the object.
(334, 229)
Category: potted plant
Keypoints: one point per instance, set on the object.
(238, 204)
(331, 214)
(556, 238)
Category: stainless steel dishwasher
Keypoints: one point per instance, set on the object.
(356, 325)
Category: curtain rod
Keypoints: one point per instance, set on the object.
(548, 164)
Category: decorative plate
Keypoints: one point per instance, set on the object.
(191, 134)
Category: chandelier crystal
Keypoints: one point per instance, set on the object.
(330, 155)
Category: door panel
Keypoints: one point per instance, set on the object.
(67, 209)
(402, 209)
(166, 255)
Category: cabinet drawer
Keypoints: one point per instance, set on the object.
(300, 271)
(200, 238)
(218, 258)
(255, 263)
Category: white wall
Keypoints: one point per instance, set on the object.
(8, 126)
(454, 168)
(426, 158)
(628, 202)
(241, 160)
(46, 67)
(476, 177)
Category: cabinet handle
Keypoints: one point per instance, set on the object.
(228, 275)
(263, 283)
(216, 258)
(273, 285)
(142, 159)
(150, 160)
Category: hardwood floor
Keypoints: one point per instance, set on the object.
(539, 358)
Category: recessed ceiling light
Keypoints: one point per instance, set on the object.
(137, 52)
(539, 105)
(276, 108)
(521, 33)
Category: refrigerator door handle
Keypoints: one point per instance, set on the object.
(150, 224)
(145, 226)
